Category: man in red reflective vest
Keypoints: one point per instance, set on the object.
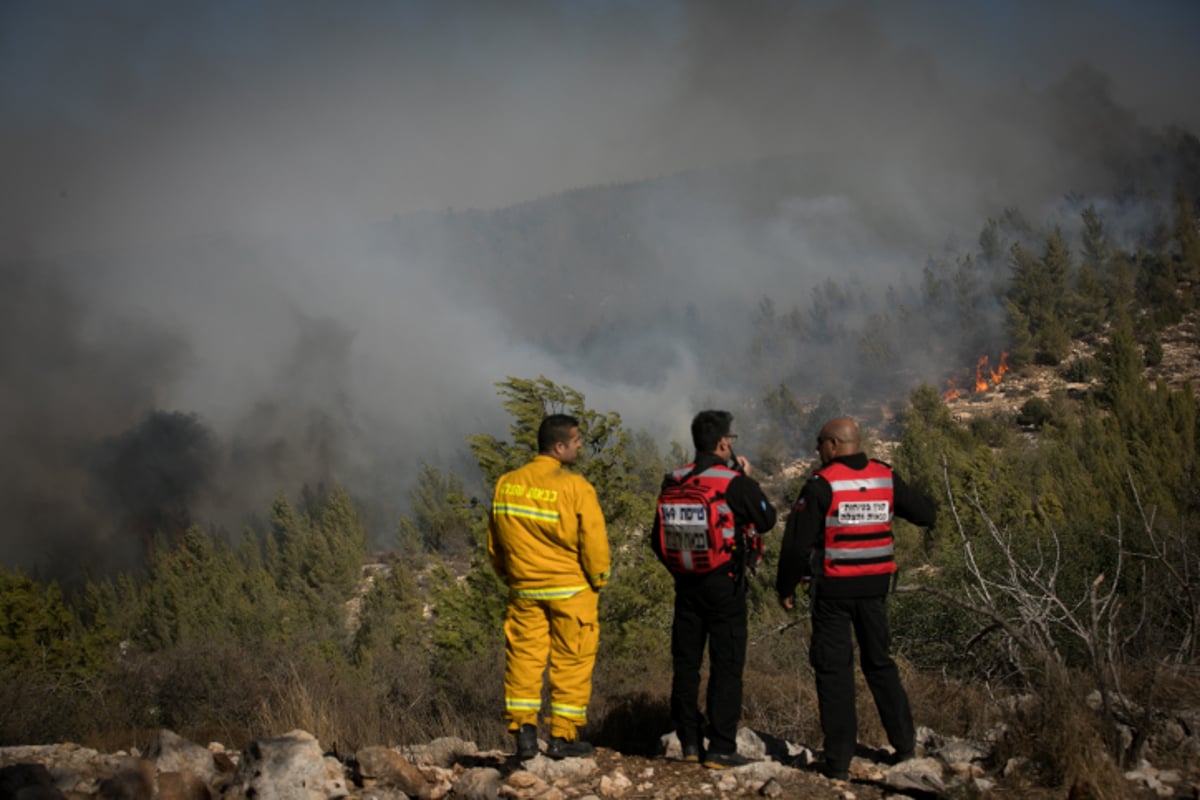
(838, 543)
(710, 607)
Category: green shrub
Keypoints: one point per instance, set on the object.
(1152, 350)
(1080, 370)
(1035, 412)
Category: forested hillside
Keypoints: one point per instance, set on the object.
(1058, 594)
(622, 277)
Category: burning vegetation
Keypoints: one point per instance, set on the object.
(985, 378)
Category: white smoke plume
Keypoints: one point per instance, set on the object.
(199, 215)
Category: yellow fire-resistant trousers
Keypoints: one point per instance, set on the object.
(567, 632)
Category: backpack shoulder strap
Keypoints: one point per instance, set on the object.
(670, 480)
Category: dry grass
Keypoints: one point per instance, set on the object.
(1061, 738)
(403, 698)
(306, 702)
(630, 706)
(950, 706)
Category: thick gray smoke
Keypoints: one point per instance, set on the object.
(234, 238)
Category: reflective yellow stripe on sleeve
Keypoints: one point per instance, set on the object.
(527, 512)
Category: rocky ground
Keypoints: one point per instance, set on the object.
(1006, 392)
(294, 767)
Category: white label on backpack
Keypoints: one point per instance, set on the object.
(685, 526)
(864, 512)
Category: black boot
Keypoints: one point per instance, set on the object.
(689, 746)
(726, 760)
(561, 748)
(527, 743)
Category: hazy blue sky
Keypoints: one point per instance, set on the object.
(141, 121)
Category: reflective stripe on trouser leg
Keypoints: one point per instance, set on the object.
(526, 648)
(574, 639)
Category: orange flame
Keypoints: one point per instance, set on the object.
(1000, 369)
(981, 385)
(985, 378)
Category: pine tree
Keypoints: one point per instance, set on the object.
(1095, 251)
(342, 548)
(468, 613)
(930, 446)
(1057, 310)
(1158, 286)
(1040, 301)
(1121, 287)
(40, 633)
(286, 544)
(1021, 348)
(1121, 369)
(605, 462)
(390, 618)
(785, 418)
(1187, 236)
(1094, 270)
(443, 519)
(195, 592)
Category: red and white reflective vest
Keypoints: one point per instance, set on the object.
(858, 525)
(696, 529)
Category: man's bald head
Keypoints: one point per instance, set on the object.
(839, 437)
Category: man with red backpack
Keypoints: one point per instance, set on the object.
(838, 543)
(710, 515)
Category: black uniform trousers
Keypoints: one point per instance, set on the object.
(832, 657)
(708, 608)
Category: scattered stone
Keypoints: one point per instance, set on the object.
(569, 769)
(1014, 766)
(919, 774)
(442, 752)
(962, 751)
(615, 785)
(288, 767)
(524, 785)
(965, 771)
(771, 788)
(182, 786)
(387, 766)
(1158, 781)
(170, 752)
(480, 783)
(133, 781)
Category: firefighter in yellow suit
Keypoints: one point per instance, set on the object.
(547, 541)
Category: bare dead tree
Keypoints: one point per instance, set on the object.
(1020, 592)
(1172, 554)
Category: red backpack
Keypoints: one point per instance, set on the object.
(696, 529)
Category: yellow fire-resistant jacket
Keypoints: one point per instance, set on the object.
(546, 536)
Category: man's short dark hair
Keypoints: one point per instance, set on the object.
(555, 428)
(707, 429)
